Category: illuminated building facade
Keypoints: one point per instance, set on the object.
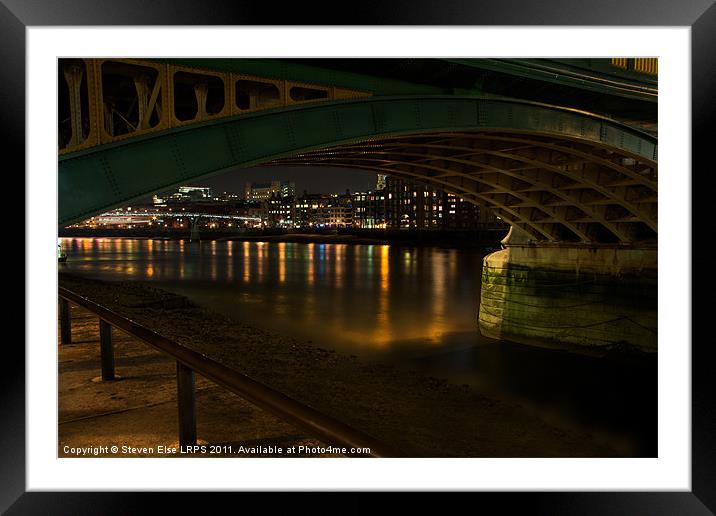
(369, 209)
(195, 192)
(309, 210)
(265, 191)
(279, 212)
(380, 183)
(412, 205)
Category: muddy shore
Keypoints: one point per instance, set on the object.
(420, 415)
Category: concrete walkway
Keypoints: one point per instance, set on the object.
(137, 413)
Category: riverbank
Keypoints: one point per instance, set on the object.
(137, 411)
(422, 416)
(469, 239)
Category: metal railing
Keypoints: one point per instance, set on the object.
(316, 424)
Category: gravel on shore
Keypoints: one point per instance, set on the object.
(420, 415)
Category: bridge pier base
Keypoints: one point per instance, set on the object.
(582, 298)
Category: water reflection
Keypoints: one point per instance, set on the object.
(282, 262)
(364, 296)
(246, 257)
(311, 274)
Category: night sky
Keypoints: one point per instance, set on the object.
(313, 179)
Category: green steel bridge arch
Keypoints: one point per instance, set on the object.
(560, 174)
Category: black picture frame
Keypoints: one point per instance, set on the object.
(17, 15)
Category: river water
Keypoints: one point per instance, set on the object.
(412, 307)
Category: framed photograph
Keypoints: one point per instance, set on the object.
(418, 253)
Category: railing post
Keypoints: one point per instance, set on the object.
(186, 403)
(65, 321)
(106, 350)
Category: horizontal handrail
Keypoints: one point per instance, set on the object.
(302, 416)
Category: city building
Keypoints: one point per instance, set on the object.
(338, 212)
(228, 197)
(195, 192)
(306, 208)
(380, 183)
(301, 213)
(279, 212)
(460, 214)
(309, 211)
(288, 188)
(412, 205)
(264, 191)
(183, 194)
(369, 209)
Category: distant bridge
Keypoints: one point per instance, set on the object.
(179, 214)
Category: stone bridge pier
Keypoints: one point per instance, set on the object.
(581, 297)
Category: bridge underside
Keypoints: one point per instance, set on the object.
(560, 175)
(553, 188)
